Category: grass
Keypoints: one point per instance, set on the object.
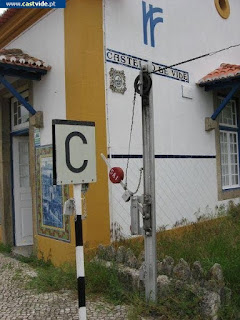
(210, 242)
(213, 241)
(50, 278)
(105, 281)
(5, 248)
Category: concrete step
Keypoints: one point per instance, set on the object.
(24, 251)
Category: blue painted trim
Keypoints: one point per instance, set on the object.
(220, 84)
(125, 156)
(17, 95)
(21, 71)
(228, 129)
(20, 132)
(160, 156)
(225, 101)
(23, 68)
(231, 189)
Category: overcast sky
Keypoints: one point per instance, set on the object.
(2, 10)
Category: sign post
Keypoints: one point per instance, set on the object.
(77, 189)
(74, 162)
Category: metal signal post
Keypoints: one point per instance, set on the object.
(144, 204)
(143, 86)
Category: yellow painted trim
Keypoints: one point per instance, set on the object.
(85, 100)
(223, 8)
(21, 21)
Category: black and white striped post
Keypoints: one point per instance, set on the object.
(80, 253)
(74, 162)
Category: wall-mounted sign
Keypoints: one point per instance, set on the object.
(117, 81)
(74, 152)
(135, 63)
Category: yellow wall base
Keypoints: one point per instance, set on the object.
(58, 252)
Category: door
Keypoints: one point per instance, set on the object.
(22, 192)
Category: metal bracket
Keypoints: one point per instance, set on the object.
(69, 208)
(147, 216)
(135, 216)
(85, 187)
(127, 195)
(142, 272)
(141, 204)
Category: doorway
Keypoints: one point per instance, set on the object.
(22, 191)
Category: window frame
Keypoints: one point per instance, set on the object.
(230, 185)
(24, 125)
(228, 129)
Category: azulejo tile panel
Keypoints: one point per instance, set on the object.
(50, 199)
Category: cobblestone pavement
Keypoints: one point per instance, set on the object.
(18, 303)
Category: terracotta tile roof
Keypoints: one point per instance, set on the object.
(224, 72)
(18, 57)
(8, 14)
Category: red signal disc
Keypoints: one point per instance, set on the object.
(116, 175)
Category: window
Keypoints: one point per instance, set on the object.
(229, 150)
(24, 164)
(19, 114)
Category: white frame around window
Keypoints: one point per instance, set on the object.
(23, 125)
(229, 165)
(231, 103)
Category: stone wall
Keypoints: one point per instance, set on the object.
(209, 287)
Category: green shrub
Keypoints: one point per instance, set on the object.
(104, 281)
(5, 248)
(234, 211)
(50, 278)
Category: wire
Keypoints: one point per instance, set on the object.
(139, 182)
(196, 58)
(130, 135)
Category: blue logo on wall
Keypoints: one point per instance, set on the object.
(148, 19)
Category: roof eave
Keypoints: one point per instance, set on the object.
(219, 83)
(24, 72)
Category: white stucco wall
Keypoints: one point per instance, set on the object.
(45, 40)
(189, 29)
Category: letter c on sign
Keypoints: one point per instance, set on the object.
(67, 148)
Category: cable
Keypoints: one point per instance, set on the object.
(196, 58)
(130, 135)
(139, 182)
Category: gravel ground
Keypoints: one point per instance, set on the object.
(19, 303)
